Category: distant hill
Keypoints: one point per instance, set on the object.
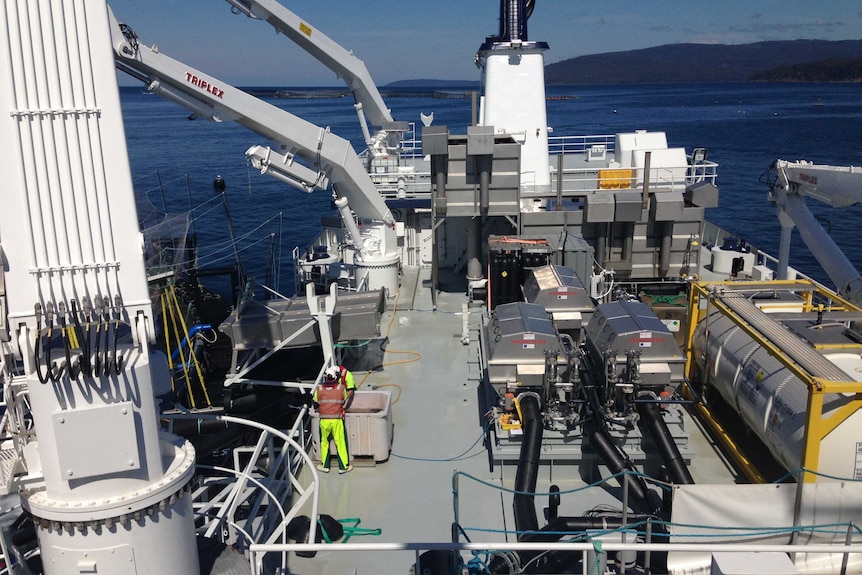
(844, 70)
(766, 61)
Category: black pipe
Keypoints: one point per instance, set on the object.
(190, 428)
(553, 503)
(670, 455)
(617, 462)
(528, 467)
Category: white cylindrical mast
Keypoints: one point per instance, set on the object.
(513, 70)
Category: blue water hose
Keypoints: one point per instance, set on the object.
(192, 332)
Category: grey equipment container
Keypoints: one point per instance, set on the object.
(563, 295)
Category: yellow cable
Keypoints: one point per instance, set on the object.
(396, 386)
(73, 338)
(415, 359)
(518, 410)
(162, 298)
(358, 385)
(417, 355)
(394, 310)
(182, 353)
(192, 350)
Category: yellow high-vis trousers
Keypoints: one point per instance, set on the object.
(334, 427)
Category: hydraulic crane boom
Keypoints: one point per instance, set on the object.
(329, 158)
(332, 55)
(837, 186)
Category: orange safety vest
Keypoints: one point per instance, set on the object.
(331, 398)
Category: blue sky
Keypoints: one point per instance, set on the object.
(412, 39)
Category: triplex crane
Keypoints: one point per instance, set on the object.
(369, 103)
(372, 258)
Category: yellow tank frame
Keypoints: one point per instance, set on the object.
(817, 426)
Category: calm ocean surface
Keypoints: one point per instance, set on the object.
(745, 127)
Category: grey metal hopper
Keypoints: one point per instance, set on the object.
(263, 325)
(517, 337)
(631, 325)
(559, 290)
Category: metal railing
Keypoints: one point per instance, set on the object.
(593, 556)
(576, 182)
(244, 505)
(714, 235)
(580, 144)
(392, 183)
(600, 547)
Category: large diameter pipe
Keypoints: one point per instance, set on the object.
(670, 455)
(617, 462)
(664, 252)
(528, 467)
(474, 248)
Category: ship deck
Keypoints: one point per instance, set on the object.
(437, 436)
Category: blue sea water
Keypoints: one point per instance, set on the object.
(745, 127)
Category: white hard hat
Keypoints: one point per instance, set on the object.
(332, 371)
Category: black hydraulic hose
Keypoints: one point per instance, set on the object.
(66, 347)
(55, 376)
(528, 467)
(677, 469)
(43, 377)
(97, 365)
(565, 526)
(617, 462)
(249, 403)
(106, 358)
(83, 341)
(189, 428)
(112, 332)
(118, 359)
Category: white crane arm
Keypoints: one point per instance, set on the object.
(331, 54)
(839, 187)
(329, 156)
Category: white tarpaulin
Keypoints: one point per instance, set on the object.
(763, 514)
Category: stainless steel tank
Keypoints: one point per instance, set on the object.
(769, 398)
(516, 340)
(623, 326)
(559, 290)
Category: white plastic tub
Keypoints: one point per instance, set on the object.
(369, 427)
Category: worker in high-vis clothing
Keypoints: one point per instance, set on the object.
(332, 399)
